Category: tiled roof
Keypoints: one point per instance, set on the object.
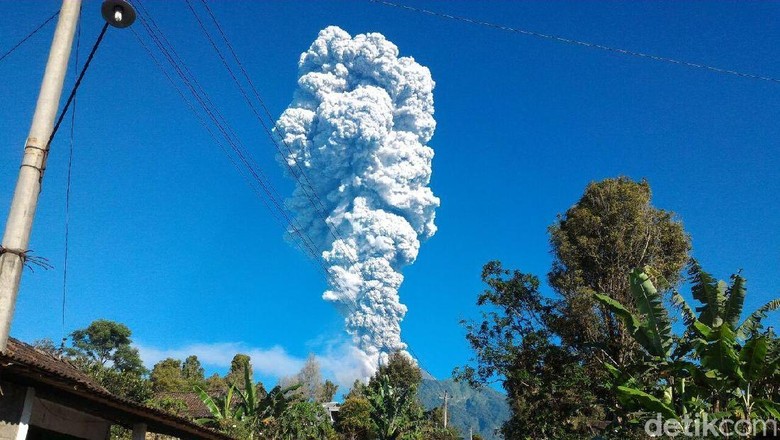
(25, 364)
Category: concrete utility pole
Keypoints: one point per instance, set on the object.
(446, 396)
(28, 186)
(13, 252)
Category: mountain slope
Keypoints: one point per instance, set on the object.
(483, 410)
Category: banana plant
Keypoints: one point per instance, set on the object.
(221, 408)
(717, 365)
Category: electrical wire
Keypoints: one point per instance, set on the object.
(574, 42)
(197, 92)
(300, 176)
(78, 83)
(30, 35)
(68, 184)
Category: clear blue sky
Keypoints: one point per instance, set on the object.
(167, 238)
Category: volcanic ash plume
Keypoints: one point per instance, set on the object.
(357, 128)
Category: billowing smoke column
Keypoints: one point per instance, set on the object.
(357, 127)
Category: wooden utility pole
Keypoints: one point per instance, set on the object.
(28, 186)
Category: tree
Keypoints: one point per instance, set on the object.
(237, 366)
(310, 379)
(46, 345)
(328, 392)
(433, 427)
(215, 383)
(104, 351)
(611, 230)
(396, 411)
(402, 372)
(106, 343)
(548, 389)
(167, 376)
(193, 372)
(354, 421)
(305, 420)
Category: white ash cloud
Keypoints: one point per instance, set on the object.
(358, 127)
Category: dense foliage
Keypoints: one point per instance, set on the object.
(610, 231)
(599, 356)
(719, 366)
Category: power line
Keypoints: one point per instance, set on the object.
(35, 31)
(78, 83)
(300, 176)
(190, 81)
(67, 186)
(261, 101)
(197, 91)
(305, 185)
(574, 42)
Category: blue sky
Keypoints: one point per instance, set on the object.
(167, 238)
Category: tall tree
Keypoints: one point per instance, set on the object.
(215, 384)
(310, 379)
(106, 343)
(193, 373)
(328, 391)
(239, 363)
(104, 351)
(354, 421)
(611, 230)
(548, 390)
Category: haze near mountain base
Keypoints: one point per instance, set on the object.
(356, 134)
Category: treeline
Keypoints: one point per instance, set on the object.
(387, 407)
(599, 358)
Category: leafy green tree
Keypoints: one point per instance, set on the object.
(401, 371)
(239, 363)
(216, 383)
(433, 427)
(169, 404)
(193, 372)
(305, 420)
(167, 376)
(611, 230)
(392, 392)
(106, 343)
(550, 393)
(104, 351)
(328, 391)
(354, 421)
(394, 412)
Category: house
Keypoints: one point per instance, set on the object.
(43, 397)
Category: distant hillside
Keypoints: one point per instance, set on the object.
(483, 410)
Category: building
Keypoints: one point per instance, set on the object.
(43, 397)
